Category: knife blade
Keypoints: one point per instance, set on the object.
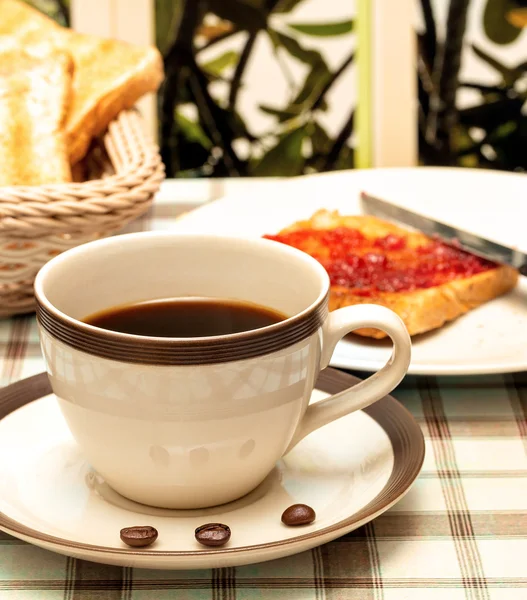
(448, 234)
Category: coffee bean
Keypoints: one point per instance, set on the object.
(213, 534)
(139, 536)
(298, 514)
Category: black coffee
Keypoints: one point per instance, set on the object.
(185, 317)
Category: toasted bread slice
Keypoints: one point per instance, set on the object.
(421, 309)
(34, 98)
(109, 75)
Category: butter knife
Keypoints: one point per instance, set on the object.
(453, 236)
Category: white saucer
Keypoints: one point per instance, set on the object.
(349, 471)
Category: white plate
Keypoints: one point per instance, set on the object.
(350, 471)
(489, 339)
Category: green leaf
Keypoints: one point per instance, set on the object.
(315, 81)
(497, 28)
(323, 29)
(310, 92)
(346, 159)
(321, 145)
(509, 75)
(305, 55)
(192, 131)
(503, 131)
(276, 112)
(218, 64)
(285, 159)
(167, 16)
(320, 139)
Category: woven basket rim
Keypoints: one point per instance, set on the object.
(148, 159)
(132, 172)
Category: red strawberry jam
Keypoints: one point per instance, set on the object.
(384, 264)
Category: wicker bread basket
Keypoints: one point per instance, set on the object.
(124, 172)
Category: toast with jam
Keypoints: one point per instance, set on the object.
(371, 261)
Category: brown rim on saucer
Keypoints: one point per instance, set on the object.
(182, 351)
(404, 433)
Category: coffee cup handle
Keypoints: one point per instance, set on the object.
(341, 322)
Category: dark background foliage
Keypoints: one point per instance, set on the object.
(206, 145)
(491, 133)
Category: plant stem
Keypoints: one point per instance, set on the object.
(214, 125)
(424, 77)
(334, 76)
(443, 114)
(214, 121)
(268, 7)
(178, 56)
(240, 68)
(485, 89)
(338, 145)
(281, 63)
(218, 39)
(184, 39)
(456, 25)
(430, 36)
(169, 99)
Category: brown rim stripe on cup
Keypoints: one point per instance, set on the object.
(182, 351)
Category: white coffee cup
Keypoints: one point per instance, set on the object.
(196, 422)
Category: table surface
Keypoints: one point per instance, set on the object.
(460, 533)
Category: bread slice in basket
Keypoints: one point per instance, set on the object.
(373, 261)
(34, 96)
(110, 75)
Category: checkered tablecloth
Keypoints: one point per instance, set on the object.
(460, 533)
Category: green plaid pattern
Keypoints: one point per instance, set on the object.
(459, 534)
